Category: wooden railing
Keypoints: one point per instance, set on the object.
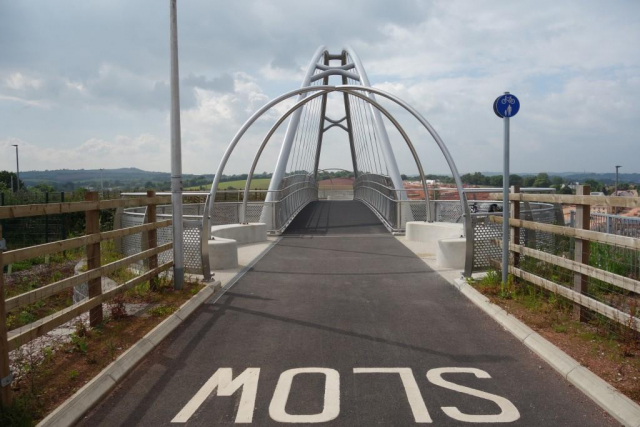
(579, 265)
(10, 340)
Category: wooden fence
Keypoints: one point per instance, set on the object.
(10, 340)
(579, 265)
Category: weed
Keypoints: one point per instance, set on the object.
(81, 329)
(73, 374)
(118, 308)
(559, 327)
(19, 414)
(25, 317)
(162, 310)
(79, 344)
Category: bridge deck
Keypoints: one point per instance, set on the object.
(343, 302)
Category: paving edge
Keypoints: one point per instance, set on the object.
(619, 406)
(74, 408)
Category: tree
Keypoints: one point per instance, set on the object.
(45, 188)
(528, 181)
(495, 181)
(595, 185)
(5, 178)
(542, 181)
(557, 180)
(515, 180)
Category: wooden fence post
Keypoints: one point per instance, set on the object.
(582, 251)
(92, 226)
(152, 240)
(5, 371)
(515, 231)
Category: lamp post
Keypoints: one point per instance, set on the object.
(615, 210)
(101, 182)
(17, 168)
(176, 155)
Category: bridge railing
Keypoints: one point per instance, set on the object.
(377, 192)
(597, 272)
(296, 192)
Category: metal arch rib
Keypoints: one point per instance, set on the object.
(210, 199)
(300, 104)
(435, 136)
(208, 206)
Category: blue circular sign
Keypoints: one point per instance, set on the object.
(506, 105)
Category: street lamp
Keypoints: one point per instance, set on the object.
(17, 167)
(176, 155)
(101, 183)
(615, 210)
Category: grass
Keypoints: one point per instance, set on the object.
(256, 184)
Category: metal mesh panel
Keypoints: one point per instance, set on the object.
(484, 231)
(132, 244)
(448, 211)
(225, 213)
(254, 211)
(616, 224)
(164, 235)
(483, 250)
(192, 247)
(418, 209)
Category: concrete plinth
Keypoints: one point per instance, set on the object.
(242, 233)
(223, 254)
(430, 232)
(451, 253)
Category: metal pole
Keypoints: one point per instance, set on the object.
(505, 206)
(176, 156)
(615, 209)
(17, 167)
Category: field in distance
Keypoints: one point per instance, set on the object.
(256, 184)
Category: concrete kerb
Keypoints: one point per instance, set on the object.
(620, 407)
(74, 408)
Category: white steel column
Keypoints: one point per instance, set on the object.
(285, 150)
(385, 144)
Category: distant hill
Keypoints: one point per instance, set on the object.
(607, 178)
(128, 179)
(91, 175)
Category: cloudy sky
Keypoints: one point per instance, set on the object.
(84, 84)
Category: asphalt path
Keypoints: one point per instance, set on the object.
(340, 324)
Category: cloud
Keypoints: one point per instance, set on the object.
(92, 72)
(141, 151)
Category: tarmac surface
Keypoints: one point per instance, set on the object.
(340, 324)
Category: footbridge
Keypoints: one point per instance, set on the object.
(360, 114)
(338, 312)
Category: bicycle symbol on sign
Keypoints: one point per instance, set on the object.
(508, 99)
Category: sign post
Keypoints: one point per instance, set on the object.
(505, 107)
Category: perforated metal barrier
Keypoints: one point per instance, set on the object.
(484, 231)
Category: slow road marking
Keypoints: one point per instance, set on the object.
(223, 384)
